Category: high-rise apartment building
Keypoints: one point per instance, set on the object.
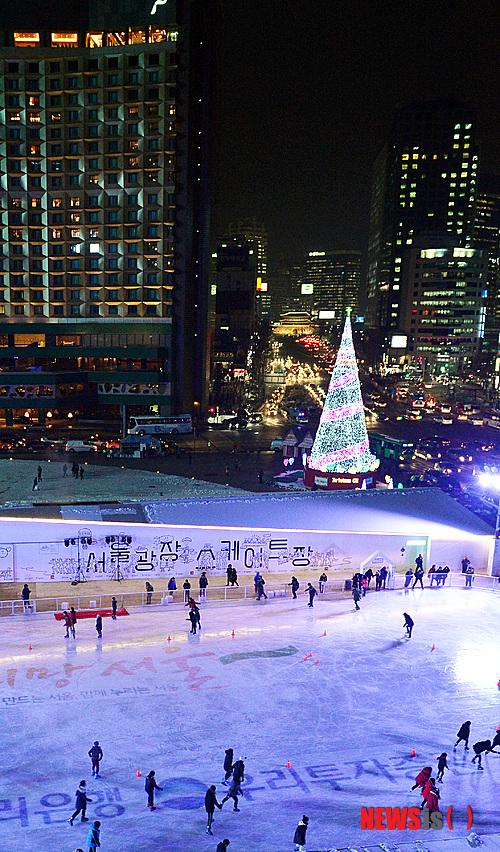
(333, 280)
(425, 180)
(104, 213)
(487, 237)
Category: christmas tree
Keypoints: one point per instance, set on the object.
(341, 444)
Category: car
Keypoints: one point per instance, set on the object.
(276, 444)
(80, 447)
(255, 417)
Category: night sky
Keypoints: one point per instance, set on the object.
(308, 92)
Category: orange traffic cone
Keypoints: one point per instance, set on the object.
(30, 648)
(232, 634)
(288, 765)
(168, 640)
(433, 648)
(310, 653)
(306, 658)
(317, 661)
(413, 752)
(324, 634)
(137, 774)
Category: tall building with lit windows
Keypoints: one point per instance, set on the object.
(333, 279)
(104, 205)
(425, 180)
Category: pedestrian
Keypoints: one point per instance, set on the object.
(295, 587)
(260, 588)
(192, 619)
(228, 764)
(203, 583)
(25, 594)
(369, 575)
(419, 573)
(430, 573)
(299, 838)
(229, 572)
(73, 617)
(255, 580)
(93, 837)
(95, 753)
(39, 473)
(114, 604)
(67, 624)
(149, 592)
(419, 562)
(98, 625)
(234, 577)
(463, 734)
(408, 577)
(222, 845)
(322, 581)
(172, 586)
(482, 748)
(80, 803)
(65, 469)
(378, 581)
(197, 616)
(150, 786)
(81, 472)
(232, 793)
(408, 624)
(356, 594)
(261, 476)
(186, 586)
(364, 585)
(239, 771)
(35, 484)
(465, 564)
(210, 804)
(383, 575)
(312, 594)
(469, 576)
(432, 802)
(422, 777)
(442, 765)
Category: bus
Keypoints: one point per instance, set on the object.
(147, 424)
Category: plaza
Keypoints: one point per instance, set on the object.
(323, 736)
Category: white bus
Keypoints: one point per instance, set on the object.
(147, 424)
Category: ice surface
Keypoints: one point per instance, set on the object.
(346, 724)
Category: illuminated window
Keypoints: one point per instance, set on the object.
(54, 116)
(64, 39)
(27, 39)
(94, 248)
(116, 38)
(57, 202)
(56, 234)
(136, 35)
(15, 116)
(156, 34)
(93, 178)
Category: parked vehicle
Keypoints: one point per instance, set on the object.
(80, 447)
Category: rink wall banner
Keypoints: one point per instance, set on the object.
(42, 551)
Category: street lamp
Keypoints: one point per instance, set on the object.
(492, 481)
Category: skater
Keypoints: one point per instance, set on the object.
(39, 473)
(222, 845)
(232, 793)
(150, 786)
(430, 574)
(197, 615)
(419, 562)
(114, 604)
(419, 573)
(81, 472)
(383, 575)
(203, 583)
(93, 837)
(149, 593)
(432, 801)
(234, 577)
(378, 581)
(463, 734)
(80, 803)
(425, 791)
(442, 765)
(98, 625)
(422, 777)
(364, 585)
(356, 594)
(73, 617)
(186, 586)
(469, 576)
(95, 753)
(67, 624)
(65, 470)
(35, 484)
(228, 765)
(299, 838)
(25, 594)
(369, 575)
(192, 619)
(210, 804)
(496, 739)
(408, 624)
(295, 587)
(239, 771)
(322, 581)
(260, 588)
(408, 577)
(312, 594)
(172, 586)
(480, 749)
(229, 571)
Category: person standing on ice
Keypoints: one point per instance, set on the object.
(239, 771)
(222, 845)
(80, 803)
(322, 582)
(356, 594)
(408, 578)
(312, 594)
(419, 573)
(442, 765)
(94, 835)
(432, 801)
(408, 624)
(210, 804)
(98, 625)
(228, 764)
(463, 734)
(299, 838)
(295, 585)
(150, 786)
(232, 793)
(95, 755)
(422, 777)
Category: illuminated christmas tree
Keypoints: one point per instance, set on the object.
(341, 444)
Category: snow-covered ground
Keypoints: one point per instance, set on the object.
(346, 724)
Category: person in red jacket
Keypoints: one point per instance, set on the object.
(422, 777)
(433, 799)
(429, 784)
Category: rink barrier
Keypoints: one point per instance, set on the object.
(222, 594)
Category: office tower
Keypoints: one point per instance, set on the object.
(487, 237)
(252, 229)
(425, 180)
(104, 214)
(235, 297)
(444, 307)
(333, 281)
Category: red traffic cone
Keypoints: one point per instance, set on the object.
(498, 684)
(137, 774)
(306, 659)
(433, 647)
(317, 661)
(413, 751)
(232, 634)
(288, 765)
(324, 634)
(310, 653)
(168, 640)
(30, 648)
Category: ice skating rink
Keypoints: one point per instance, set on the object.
(346, 724)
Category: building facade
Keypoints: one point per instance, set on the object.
(333, 282)
(487, 237)
(425, 180)
(104, 214)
